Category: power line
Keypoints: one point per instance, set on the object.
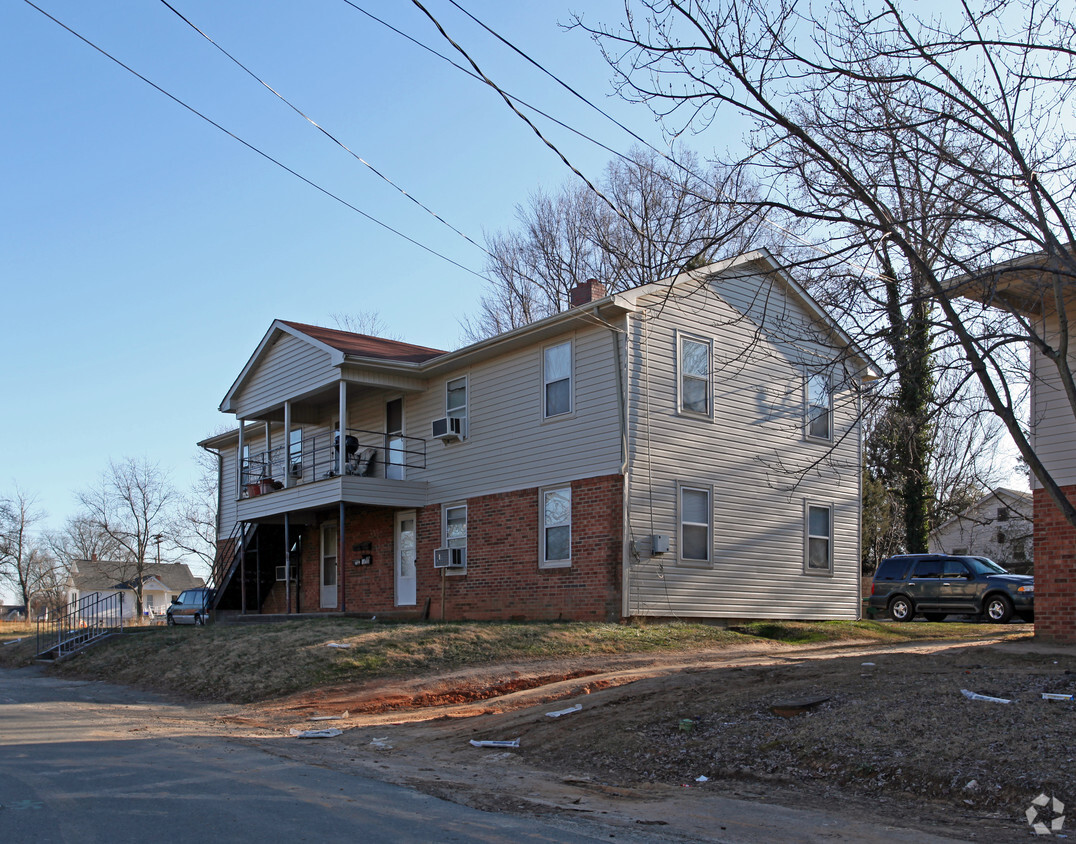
(525, 119)
(253, 148)
(322, 129)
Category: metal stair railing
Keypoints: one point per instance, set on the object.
(78, 624)
(227, 559)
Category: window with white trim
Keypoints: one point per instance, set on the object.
(555, 531)
(557, 379)
(819, 529)
(696, 523)
(456, 398)
(695, 380)
(819, 407)
(454, 529)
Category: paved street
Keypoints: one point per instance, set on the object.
(82, 762)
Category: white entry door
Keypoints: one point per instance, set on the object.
(406, 552)
(329, 550)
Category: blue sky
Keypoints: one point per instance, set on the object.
(144, 253)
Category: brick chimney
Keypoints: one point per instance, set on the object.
(586, 292)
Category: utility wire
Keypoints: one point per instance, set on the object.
(527, 120)
(251, 147)
(322, 129)
(478, 78)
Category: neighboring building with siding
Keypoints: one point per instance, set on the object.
(1029, 288)
(688, 448)
(998, 526)
(89, 582)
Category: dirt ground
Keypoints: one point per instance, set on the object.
(888, 735)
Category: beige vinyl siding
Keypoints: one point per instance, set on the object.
(753, 453)
(1053, 426)
(510, 445)
(228, 487)
(290, 368)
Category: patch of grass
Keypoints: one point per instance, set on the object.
(244, 663)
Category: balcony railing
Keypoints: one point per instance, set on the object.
(368, 454)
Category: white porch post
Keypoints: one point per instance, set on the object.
(342, 451)
(287, 443)
(239, 465)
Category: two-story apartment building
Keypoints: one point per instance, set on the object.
(1040, 293)
(688, 448)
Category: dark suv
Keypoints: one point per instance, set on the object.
(938, 584)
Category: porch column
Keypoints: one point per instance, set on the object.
(342, 450)
(287, 563)
(239, 467)
(287, 443)
(340, 567)
(268, 470)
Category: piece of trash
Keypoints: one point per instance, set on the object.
(973, 785)
(340, 717)
(866, 663)
(13, 642)
(1053, 696)
(330, 733)
(382, 743)
(567, 711)
(702, 779)
(792, 708)
(511, 743)
(338, 645)
(987, 698)
(686, 725)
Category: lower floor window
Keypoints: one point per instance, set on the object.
(819, 539)
(556, 529)
(695, 524)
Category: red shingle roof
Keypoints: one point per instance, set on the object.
(362, 345)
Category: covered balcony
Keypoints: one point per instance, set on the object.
(372, 467)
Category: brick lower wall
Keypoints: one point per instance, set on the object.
(1055, 570)
(502, 579)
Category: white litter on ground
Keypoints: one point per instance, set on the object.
(1054, 696)
(331, 733)
(987, 698)
(338, 645)
(511, 743)
(567, 711)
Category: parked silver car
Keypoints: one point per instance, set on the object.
(191, 607)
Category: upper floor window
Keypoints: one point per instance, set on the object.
(695, 357)
(1003, 514)
(819, 540)
(557, 379)
(456, 398)
(556, 529)
(819, 407)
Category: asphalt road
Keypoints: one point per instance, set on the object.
(90, 762)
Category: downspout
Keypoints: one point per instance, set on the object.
(622, 419)
(340, 567)
(287, 563)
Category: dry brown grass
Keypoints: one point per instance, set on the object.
(243, 663)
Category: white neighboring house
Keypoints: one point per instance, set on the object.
(998, 526)
(91, 580)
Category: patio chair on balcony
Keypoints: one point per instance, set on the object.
(361, 464)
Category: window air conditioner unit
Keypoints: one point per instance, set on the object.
(450, 558)
(448, 429)
(280, 574)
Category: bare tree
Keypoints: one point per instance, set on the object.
(25, 562)
(674, 214)
(872, 102)
(82, 539)
(130, 504)
(193, 525)
(369, 323)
